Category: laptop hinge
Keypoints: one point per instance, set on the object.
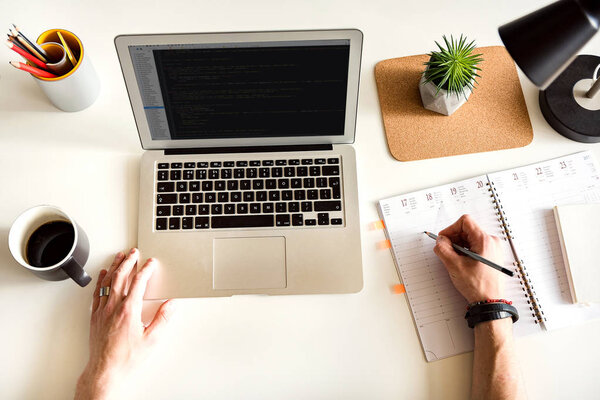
(249, 149)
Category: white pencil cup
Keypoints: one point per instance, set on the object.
(78, 88)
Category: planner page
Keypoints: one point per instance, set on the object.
(437, 307)
(528, 195)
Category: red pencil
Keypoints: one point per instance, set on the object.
(26, 44)
(32, 70)
(25, 54)
(16, 42)
(33, 44)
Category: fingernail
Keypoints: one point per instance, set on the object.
(439, 238)
(132, 251)
(119, 255)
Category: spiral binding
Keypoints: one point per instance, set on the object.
(520, 268)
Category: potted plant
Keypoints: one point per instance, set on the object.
(449, 76)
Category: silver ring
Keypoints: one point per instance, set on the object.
(104, 291)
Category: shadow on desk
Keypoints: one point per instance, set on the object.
(59, 357)
(29, 98)
(450, 378)
(11, 273)
(50, 320)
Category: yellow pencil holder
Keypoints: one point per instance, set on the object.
(79, 87)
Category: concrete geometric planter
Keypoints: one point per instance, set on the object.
(442, 102)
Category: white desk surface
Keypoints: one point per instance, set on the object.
(361, 346)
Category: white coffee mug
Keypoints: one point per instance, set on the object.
(70, 266)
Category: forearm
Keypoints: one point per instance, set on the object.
(94, 385)
(496, 374)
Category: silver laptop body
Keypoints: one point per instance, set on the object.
(248, 184)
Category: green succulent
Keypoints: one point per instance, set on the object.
(453, 68)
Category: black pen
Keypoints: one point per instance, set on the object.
(474, 256)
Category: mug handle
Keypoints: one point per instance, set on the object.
(76, 272)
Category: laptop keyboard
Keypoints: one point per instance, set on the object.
(248, 194)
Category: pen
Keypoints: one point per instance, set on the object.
(32, 70)
(474, 256)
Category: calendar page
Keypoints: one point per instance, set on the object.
(438, 308)
(528, 195)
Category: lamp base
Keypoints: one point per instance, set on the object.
(563, 111)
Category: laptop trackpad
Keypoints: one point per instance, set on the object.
(249, 263)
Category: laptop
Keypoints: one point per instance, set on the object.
(248, 182)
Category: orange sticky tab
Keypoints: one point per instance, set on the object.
(399, 289)
(377, 225)
(385, 244)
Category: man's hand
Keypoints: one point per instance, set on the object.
(495, 370)
(118, 339)
(474, 280)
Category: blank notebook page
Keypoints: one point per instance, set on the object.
(579, 229)
(438, 308)
(528, 195)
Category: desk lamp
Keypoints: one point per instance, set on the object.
(544, 44)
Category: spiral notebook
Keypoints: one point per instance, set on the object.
(516, 205)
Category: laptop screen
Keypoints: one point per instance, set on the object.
(243, 90)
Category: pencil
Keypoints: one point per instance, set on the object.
(32, 70)
(67, 49)
(14, 41)
(28, 46)
(18, 44)
(32, 44)
(25, 54)
(474, 256)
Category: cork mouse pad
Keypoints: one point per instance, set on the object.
(495, 116)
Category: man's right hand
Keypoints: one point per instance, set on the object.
(474, 280)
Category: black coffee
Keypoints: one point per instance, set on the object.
(50, 243)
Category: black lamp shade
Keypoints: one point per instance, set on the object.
(544, 42)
